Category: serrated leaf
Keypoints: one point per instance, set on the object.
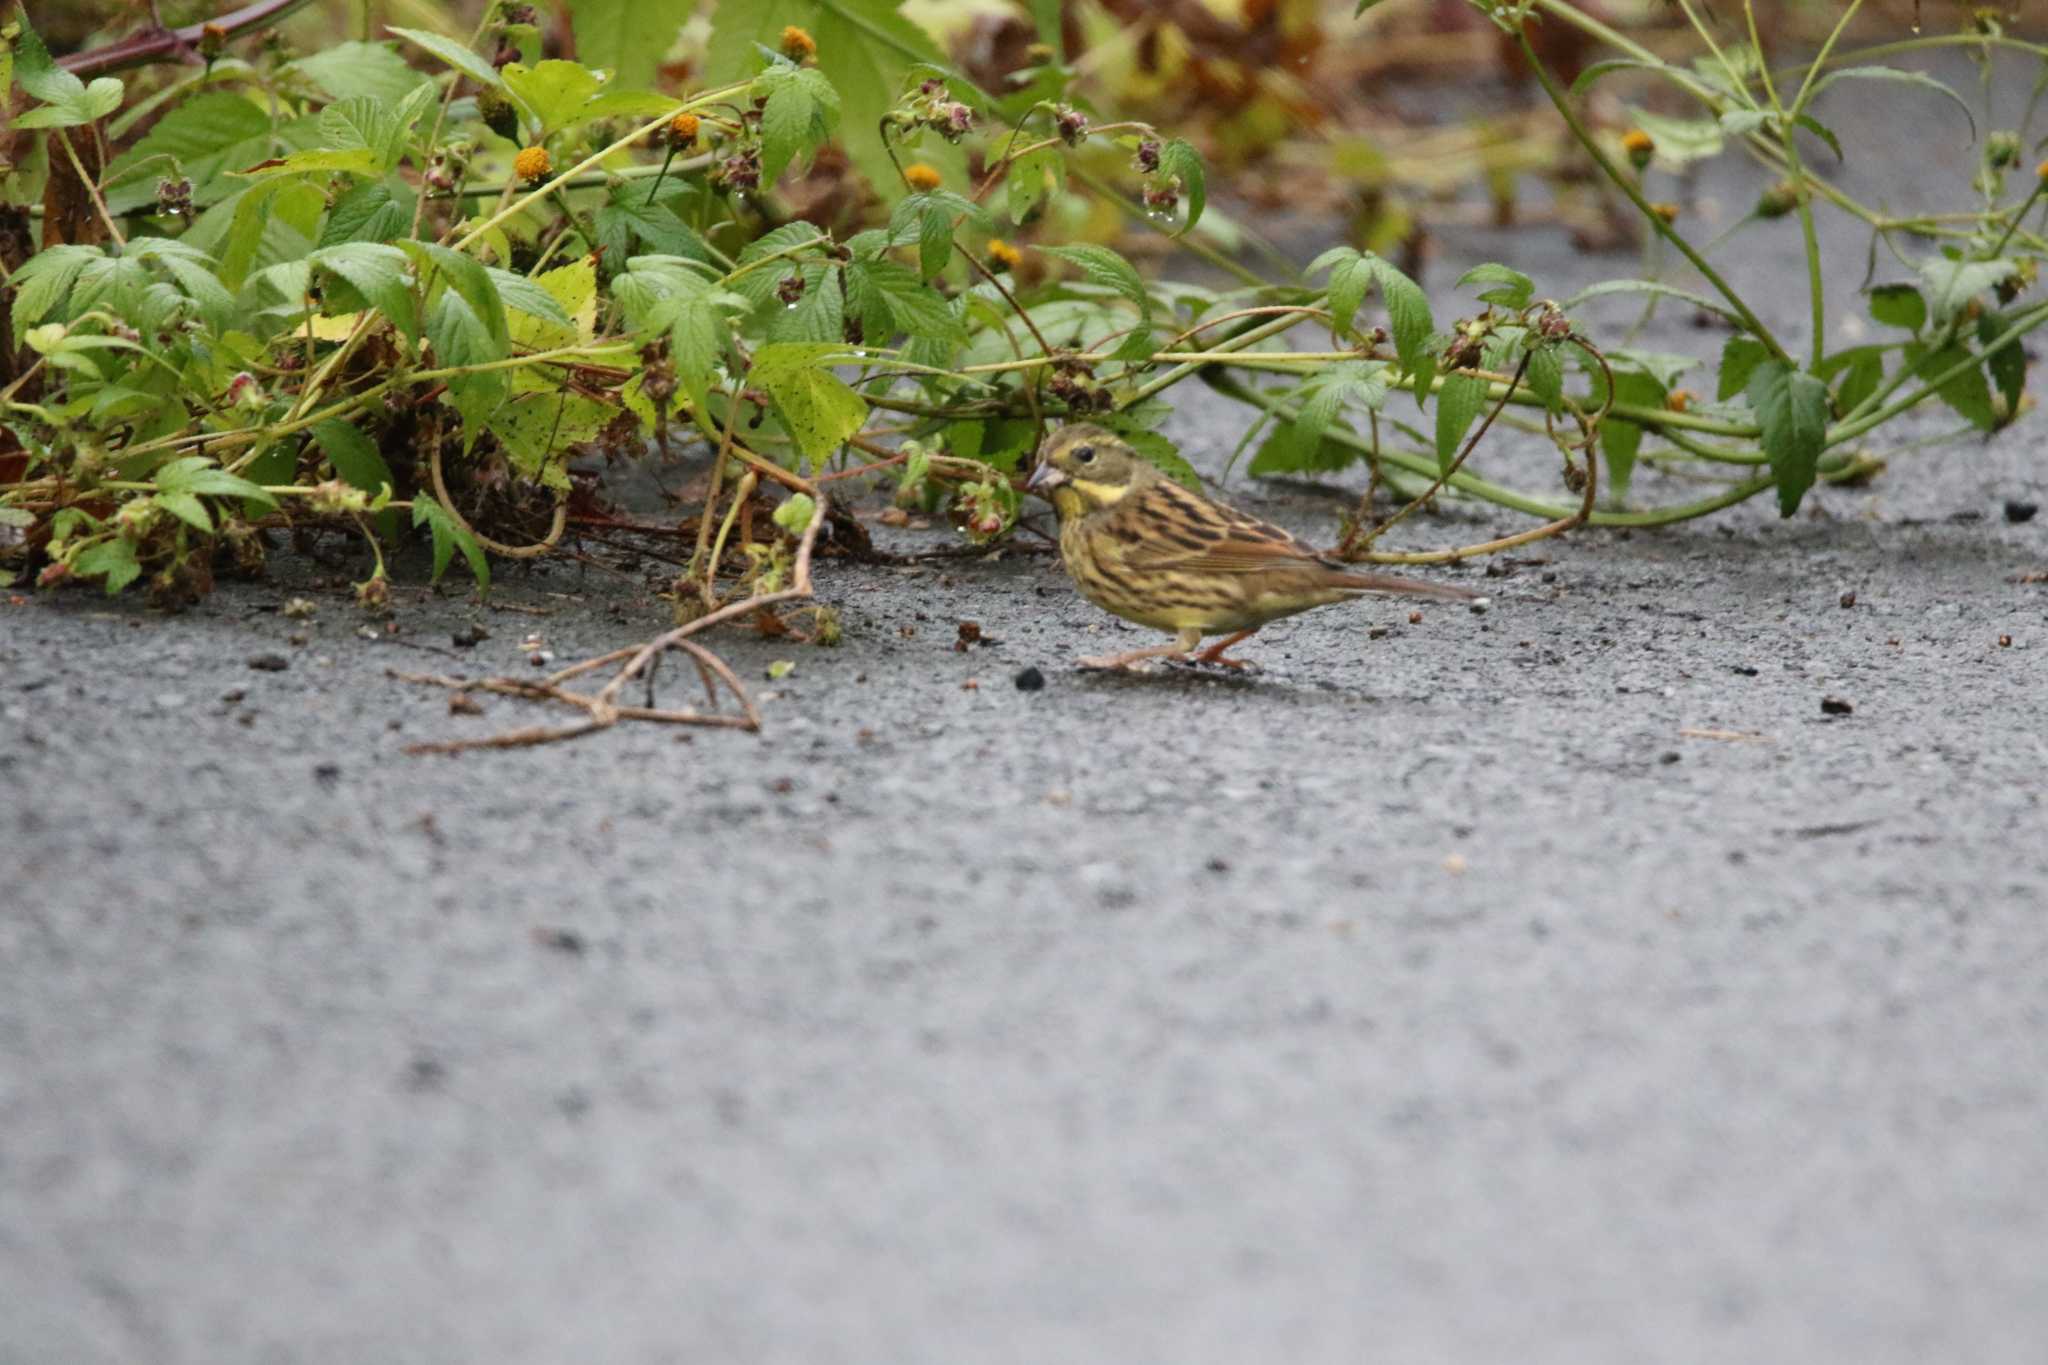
(1545, 377)
(1507, 288)
(1739, 361)
(554, 92)
(45, 280)
(362, 122)
(355, 457)
(188, 509)
(1154, 448)
(1408, 318)
(1965, 391)
(369, 212)
(816, 406)
(2007, 365)
(450, 536)
(1458, 405)
(369, 70)
(1898, 305)
(1792, 410)
(1032, 178)
(469, 282)
(1952, 284)
(378, 272)
(800, 112)
(1105, 267)
(1862, 370)
(114, 560)
(866, 51)
(528, 296)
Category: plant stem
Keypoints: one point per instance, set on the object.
(1635, 196)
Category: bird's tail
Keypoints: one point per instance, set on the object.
(1407, 587)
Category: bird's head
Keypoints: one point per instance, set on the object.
(1083, 468)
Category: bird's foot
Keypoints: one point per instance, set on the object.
(1215, 654)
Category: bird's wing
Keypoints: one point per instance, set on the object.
(1165, 526)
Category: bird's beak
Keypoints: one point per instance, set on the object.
(1045, 478)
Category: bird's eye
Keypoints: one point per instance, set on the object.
(1085, 454)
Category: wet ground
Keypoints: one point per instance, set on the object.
(1561, 983)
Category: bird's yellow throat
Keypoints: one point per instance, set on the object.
(1078, 497)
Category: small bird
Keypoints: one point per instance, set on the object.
(1140, 546)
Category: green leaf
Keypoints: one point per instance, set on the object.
(1862, 370)
(362, 122)
(2007, 364)
(527, 296)
(1823, 132)
(1178, 158)
(1509, 288)
(188, 509)
(1966, 391)
(866, 50)
(44, 281)
(1408, 318)
(889, 297)
(1739, 360)
(369, 212)
(454, 54)
(1545, 377)
(1792, 408)
(1105, 267)
(449, 536)
(627, 219)
(470, 283)
(554, 92)
(378, 272)
(355, 457)
(205, 136)
(1033, 178)
(801, 108)
(1620, 440)
(1952, 284)
(629, 36)
(112, 559)
(815, 405)
(795, 513)
(199, 474)
(354, 69)
(929, 218)
(1896, 76)
(345, 161)
(1458, 405)
(1899, 305)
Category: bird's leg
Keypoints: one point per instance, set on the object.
(1177, 651)
(1214, 653)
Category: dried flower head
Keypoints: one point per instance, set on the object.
(533, 165)
(1072, 125)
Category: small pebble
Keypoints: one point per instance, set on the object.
(561, 940)
(2005, 642)
(468, 637)
(1029, 679)
(269, 662)
(462, 704)
(1414, 618)
(1848, 599)
(2018, 512)
(1837, 706)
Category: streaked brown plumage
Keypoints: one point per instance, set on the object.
(1142, 547)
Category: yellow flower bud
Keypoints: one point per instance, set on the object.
(922, 177)
(798, 45)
